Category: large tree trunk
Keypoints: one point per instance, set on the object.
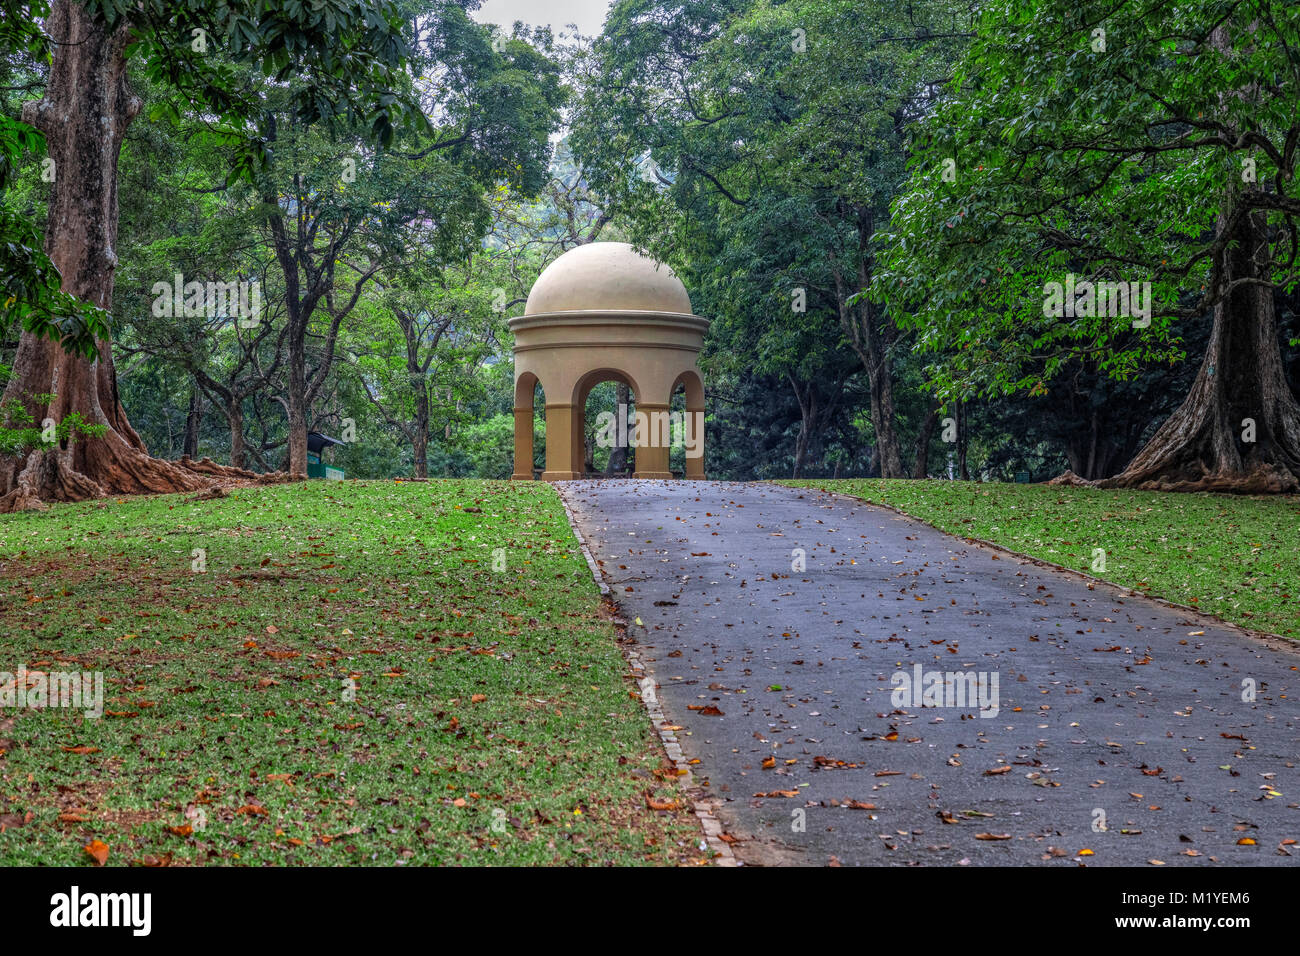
(297, 402)
(193, 424)
(1207, 444)
(84, 114)
(1201, 446)
(921, 467)
(869, 333)
(880, 386)
(235, 416)
(420, 385)
(807, 422)
(420, 439)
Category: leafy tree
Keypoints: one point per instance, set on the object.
(31, 298)
(422, 345)
(1121, 142)
(751, 107)
(354, 53)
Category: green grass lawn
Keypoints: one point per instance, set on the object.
(350, 681)
(1235, 557)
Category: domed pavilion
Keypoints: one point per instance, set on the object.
(603, 312)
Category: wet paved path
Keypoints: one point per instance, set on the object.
(1106, 704)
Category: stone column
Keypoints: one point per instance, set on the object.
(652, 448)
(559, 443)
(695, 465)
(523, 445)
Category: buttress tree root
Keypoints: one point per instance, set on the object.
(84, 115)
(92, 467)
(1239, 428)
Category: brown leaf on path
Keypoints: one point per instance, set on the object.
(995, 771)
(98, 851)
(769, 763)
(778, 793)
(993, 836)
(859, 805)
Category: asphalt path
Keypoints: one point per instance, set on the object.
(777, 623)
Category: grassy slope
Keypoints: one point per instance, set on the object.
(228, 686)
(1235, 557)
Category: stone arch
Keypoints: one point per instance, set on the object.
(525, 408)
(692, 384)
(582, 389)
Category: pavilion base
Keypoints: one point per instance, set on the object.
(652, 474)
(560, 476)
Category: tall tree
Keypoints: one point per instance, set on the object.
(355, 52)
(338, 217)
(1121, 142)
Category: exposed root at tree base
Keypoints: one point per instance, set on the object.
(1262, 479)
(1069, 479)
(49, 476)
(1258, 478)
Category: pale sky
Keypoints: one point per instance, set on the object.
(589, 15)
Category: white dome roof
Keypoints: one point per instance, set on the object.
(607, 277)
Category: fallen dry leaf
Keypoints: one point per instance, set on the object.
(98, 851)
(654, 804)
